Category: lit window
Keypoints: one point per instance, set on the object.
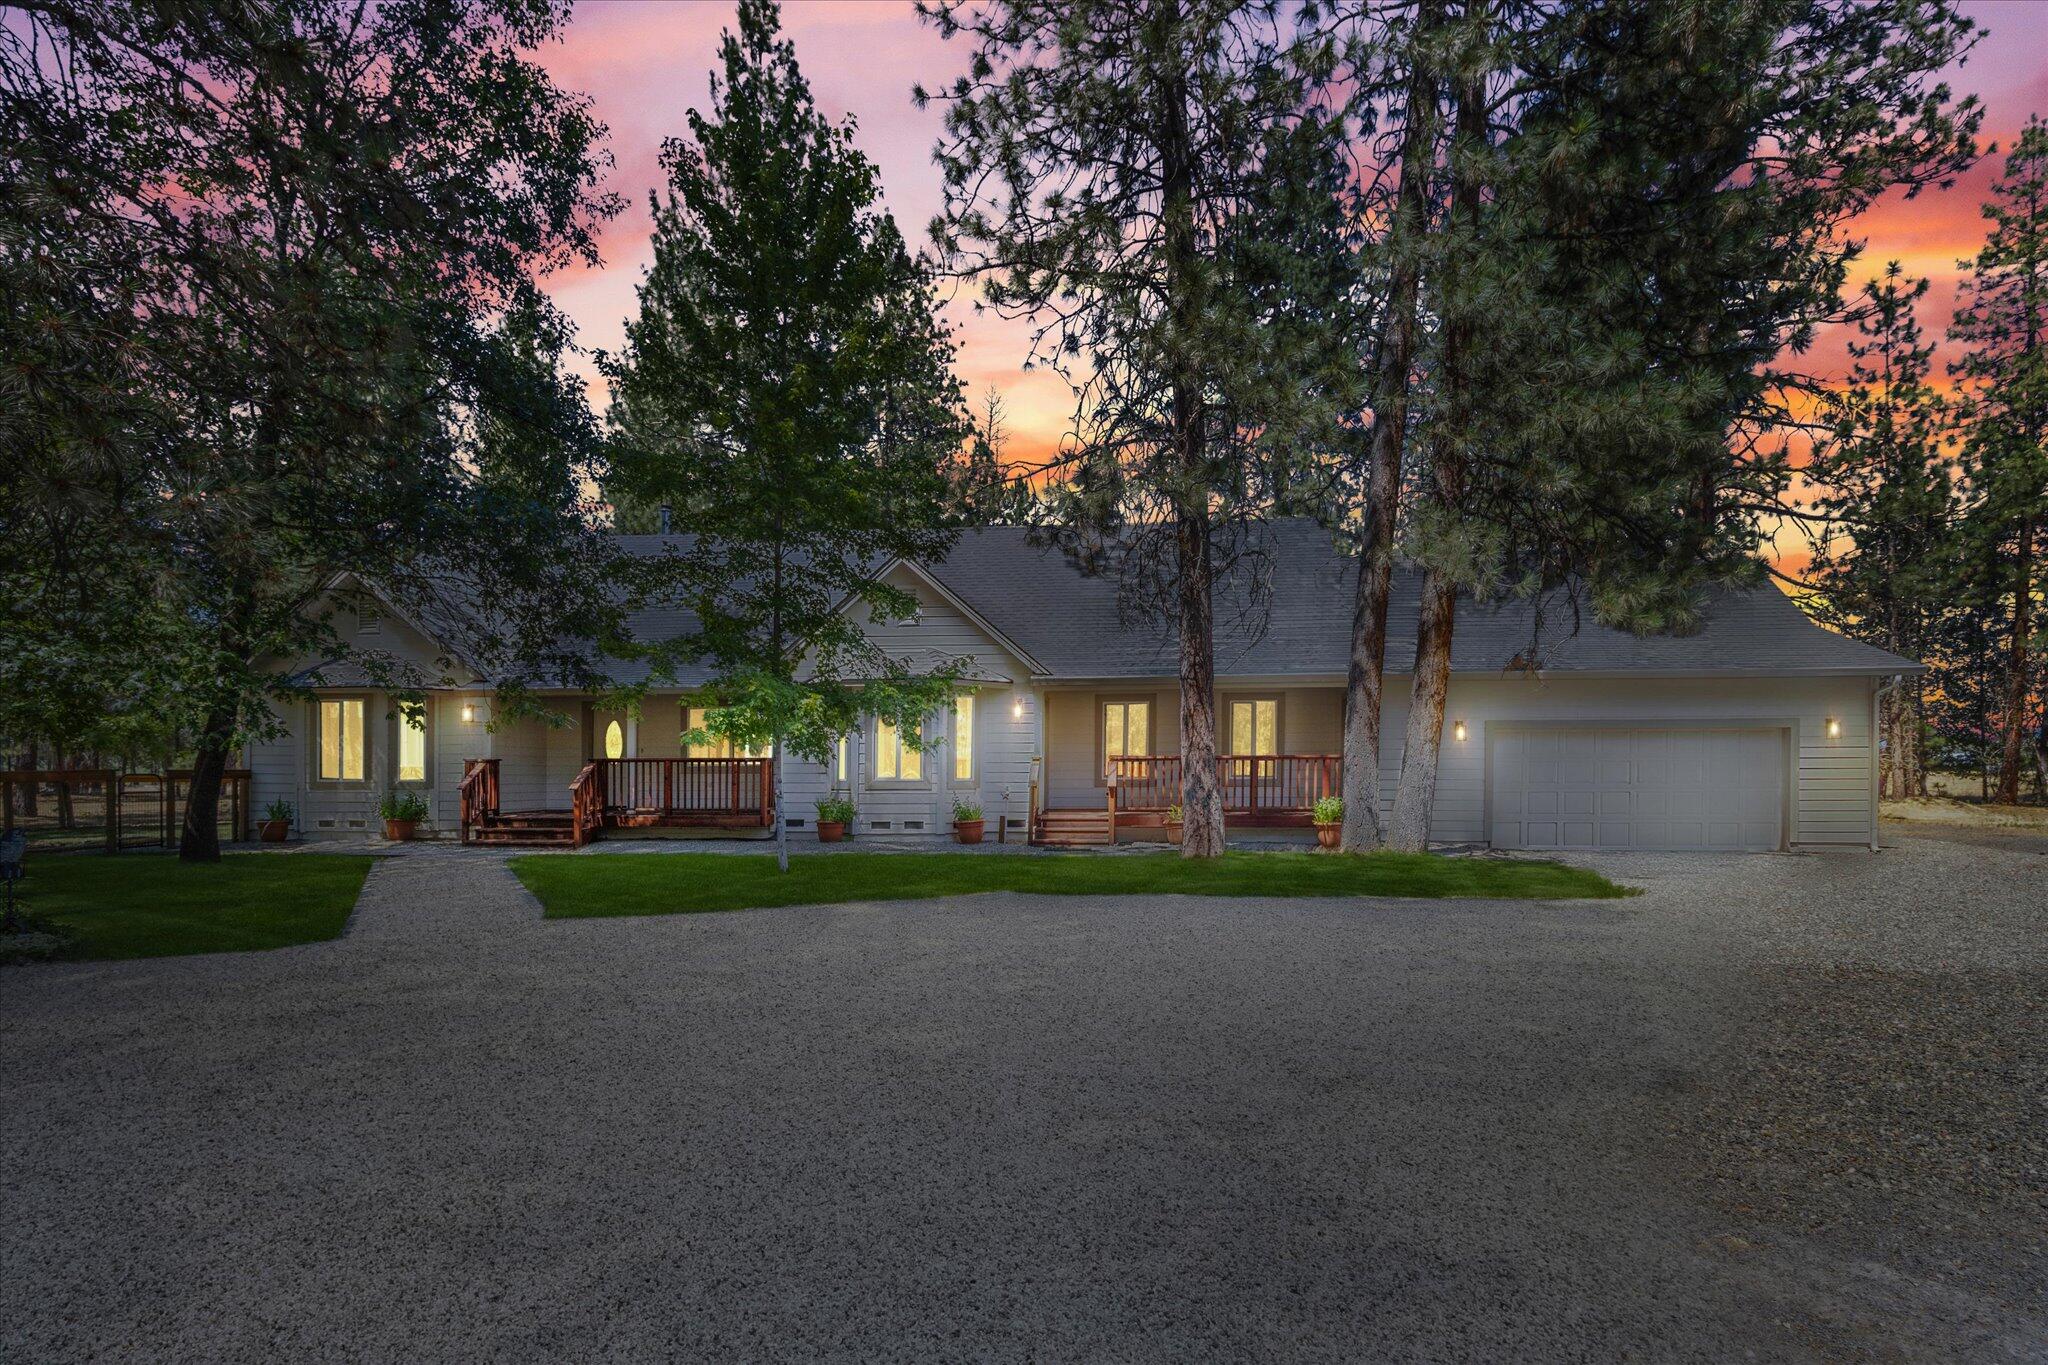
(895, 761)
(695, 718)
(614, 740)
(341, 740)
(839, 769)
(963, 737)
(412, 747)
(1126, 729)
(1255, 729)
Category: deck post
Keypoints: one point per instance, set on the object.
(110, 799)
(766, 776)
(1110, 787)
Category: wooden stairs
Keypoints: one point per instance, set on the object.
(1072, 828)
(526, 829)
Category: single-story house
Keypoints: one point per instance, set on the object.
(1755, 732)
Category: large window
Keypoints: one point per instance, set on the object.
(719, 746)
(614, 740)
(839, 760)
(1126, 729)
(1255, 729)
(895, 760)
(340, 738)
(412, 746)
(963, 737)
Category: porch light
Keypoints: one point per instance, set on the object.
(1017, 708)
(1458, 732)
(1834, 728)
(469, 713)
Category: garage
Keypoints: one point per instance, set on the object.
(1664, 787)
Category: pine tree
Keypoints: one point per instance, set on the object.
(787, 389)
(1883, 567)
(1161, 187)
(2000, 319)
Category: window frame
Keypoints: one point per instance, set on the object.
(898, 749)
(316, 730)
(426, 730)
(1105, 700)
(1225, 742)
(973, 749)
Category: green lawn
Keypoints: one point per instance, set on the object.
(152, 905)
(684, 883)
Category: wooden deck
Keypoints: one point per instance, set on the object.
(1271, 791)
(625, 794)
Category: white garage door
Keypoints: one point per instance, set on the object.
(1593, 787)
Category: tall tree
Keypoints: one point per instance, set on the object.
(1883, 562)
(1160, 187)
(1417, 112)
(320, 217)
(1657, 214)
(788, 389)
(2000, 319)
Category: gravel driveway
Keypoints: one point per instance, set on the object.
(1785, 1106)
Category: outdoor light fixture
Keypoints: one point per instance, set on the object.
(1017, 709)
(469, 713)
(1458, 731)
(1834, 728)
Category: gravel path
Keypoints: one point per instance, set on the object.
(1789, 1107)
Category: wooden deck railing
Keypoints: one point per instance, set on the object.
(1275, 789)
(738, 791)
(479, 793)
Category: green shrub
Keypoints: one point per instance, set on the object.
(965, 810)
(279, 810)
(835, 810)
(1330, 810)
(1173, 814)
(403, 806)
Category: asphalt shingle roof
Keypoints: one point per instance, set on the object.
(1069, 622)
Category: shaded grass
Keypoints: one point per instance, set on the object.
(144, 905)
(573, 887)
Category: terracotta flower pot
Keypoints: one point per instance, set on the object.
(968, 831)
(1328, 835)
(831, 831)
(274, 831)
(400, 831)
(1173, 831)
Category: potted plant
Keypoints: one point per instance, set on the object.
(402, 812)
(835, 813)
(967, 822)
(1329, 818)
(1173, 823)
(276, 825)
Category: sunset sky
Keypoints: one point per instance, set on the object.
(647, 63)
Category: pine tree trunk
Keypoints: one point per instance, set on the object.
(1415, 798)
(65, 814)
(2019, 675)
(199, 841)
(1364, 686)
(1201, 834)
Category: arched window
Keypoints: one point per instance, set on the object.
(614, 740)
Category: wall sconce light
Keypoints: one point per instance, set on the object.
(469, 713)
(1834, 728)
(1017, 709)
(1458, 732)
